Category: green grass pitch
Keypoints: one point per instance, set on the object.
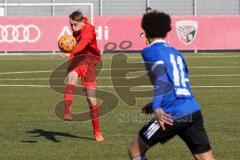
(29, 128)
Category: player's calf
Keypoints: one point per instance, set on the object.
(94, 112)
(138, 149)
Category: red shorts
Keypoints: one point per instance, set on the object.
(85, 66)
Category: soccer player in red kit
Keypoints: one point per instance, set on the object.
(82, 63)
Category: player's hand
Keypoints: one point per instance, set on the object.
(65, 55)
(147, 109)
(163, 118)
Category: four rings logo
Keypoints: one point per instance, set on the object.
(19, 33)
(186, 31)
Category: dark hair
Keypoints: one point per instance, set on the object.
(148, 9)
(156, 24)
(76, 16)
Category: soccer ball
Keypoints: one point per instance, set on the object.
(67, 43)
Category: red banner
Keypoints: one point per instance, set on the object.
(121, 33)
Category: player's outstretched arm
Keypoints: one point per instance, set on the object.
(161, 87)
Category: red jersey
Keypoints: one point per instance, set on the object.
(86, 41)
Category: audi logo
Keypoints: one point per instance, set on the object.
(19, 33)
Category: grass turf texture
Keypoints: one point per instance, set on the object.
(29, 128)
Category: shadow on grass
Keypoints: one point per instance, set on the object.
(51, 135)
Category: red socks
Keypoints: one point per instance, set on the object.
(68, 98)
(94, 113)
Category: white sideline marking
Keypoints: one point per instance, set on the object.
(131, 55)
(215, 67)
(26, 79)
(128, 77)
(194, 56)
(216, 75)
(50, 71)
(197, 56)
(216, 56)
(1, 73)
(37, 86)
(215, 86)
(47, 86)
(108, 69)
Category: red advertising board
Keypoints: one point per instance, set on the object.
(121, 32)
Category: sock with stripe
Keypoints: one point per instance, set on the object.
(68, 98)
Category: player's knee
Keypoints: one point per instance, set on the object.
(72, 81)
(131, 151)
(204, 156)
(72, 78)
(92, 100)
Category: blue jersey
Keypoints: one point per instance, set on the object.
(168, 72)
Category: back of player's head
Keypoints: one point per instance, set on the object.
(76, 16)
(156, 24)
(148, 10)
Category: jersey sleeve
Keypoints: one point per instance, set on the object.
(87, 35)
(161, 83)
(158, 75)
